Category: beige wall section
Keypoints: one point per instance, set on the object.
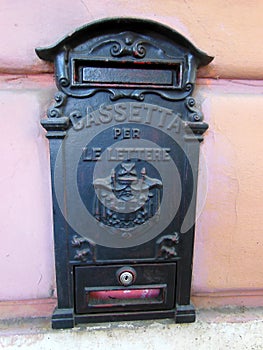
(229, 240)
(230, 30)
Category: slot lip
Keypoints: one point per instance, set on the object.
(136, 286)
(111, 76)
(125, 302)
(175, 68)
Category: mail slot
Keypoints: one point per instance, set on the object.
(146, 292)
(124, 134)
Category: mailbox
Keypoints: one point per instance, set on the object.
(124, 134)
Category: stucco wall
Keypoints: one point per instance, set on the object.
(228, 264)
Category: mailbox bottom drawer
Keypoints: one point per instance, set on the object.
(124, 288)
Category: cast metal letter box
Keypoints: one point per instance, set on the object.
(124, 136)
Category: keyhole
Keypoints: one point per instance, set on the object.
(126, 278)
(126, 275)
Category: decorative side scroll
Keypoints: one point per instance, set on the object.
(56, 110)
(166, 246)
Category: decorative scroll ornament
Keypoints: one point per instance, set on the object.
(77, 241)
(195, 114)
(125, 44)
(138, 94)
(88, 249)
(128, 48)
(64, 81)
(167, 246)
(195, 126)
(56, 110)
(83, 254)
(118, 94)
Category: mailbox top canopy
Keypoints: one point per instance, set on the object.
(117, 25)
(125, 57)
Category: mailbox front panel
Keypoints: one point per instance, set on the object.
(124, 137)
(100, 289)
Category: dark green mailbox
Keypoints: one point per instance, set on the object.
(124, 138)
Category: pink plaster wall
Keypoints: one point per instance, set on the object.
(230, 30)
(229, 238)
(26, 259)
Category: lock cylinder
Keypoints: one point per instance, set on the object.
(126, 276)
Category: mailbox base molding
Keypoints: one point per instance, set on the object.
(66, 318)
(63, 318)
(185, 314)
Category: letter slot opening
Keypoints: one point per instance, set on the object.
(97, 73)
(121, 297)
